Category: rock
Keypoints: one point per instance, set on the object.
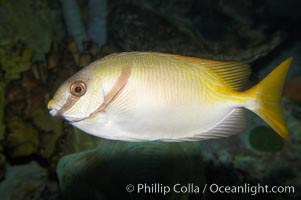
(171, 7)
(16, 93)
(149, 32)
(198, 36)
(2, 165)
(29, 81)
(271, 61)
(17, 107)
(296, 110)
(287, 9)
(292, 89)
(104, 172)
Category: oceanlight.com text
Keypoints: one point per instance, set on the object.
(251, 189)
(191, 188)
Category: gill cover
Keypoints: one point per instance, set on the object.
(84, 99)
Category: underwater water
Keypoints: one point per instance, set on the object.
(42, 43)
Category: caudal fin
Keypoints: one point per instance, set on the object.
(269, 93)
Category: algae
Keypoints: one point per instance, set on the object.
(14, 60)
(26, 21)
(50, 127)
(264, 139)
(22, 139)
(2, 95)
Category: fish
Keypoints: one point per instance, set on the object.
(150, 96)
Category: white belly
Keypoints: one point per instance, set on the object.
(155, 123)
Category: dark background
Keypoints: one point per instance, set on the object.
(43, 42)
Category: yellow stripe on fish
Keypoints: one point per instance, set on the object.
(146, 96)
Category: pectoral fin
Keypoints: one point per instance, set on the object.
(115, 91)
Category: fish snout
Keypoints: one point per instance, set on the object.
(53, 108)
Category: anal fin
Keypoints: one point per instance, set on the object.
(233, 123)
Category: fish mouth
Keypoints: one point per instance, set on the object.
(53, 108)
(53, 112)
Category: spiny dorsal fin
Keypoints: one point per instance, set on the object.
(233, 74)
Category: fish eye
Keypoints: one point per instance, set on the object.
(78, 88)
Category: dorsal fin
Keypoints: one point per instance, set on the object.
(233, 74)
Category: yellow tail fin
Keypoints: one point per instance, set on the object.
(269, 93)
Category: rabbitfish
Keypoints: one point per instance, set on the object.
(146, 96)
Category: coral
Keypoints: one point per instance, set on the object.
(98, 21)
(84, 59)
(35, 110)
(51, 128)
(28, 22)
(73, 21)
(15, 92)
(23, 182)
(56, 21)
(22, 139)
(29, 81)
(94, 172)
(73, 48)
(265, 139)
(14, 60)
(2, 104)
